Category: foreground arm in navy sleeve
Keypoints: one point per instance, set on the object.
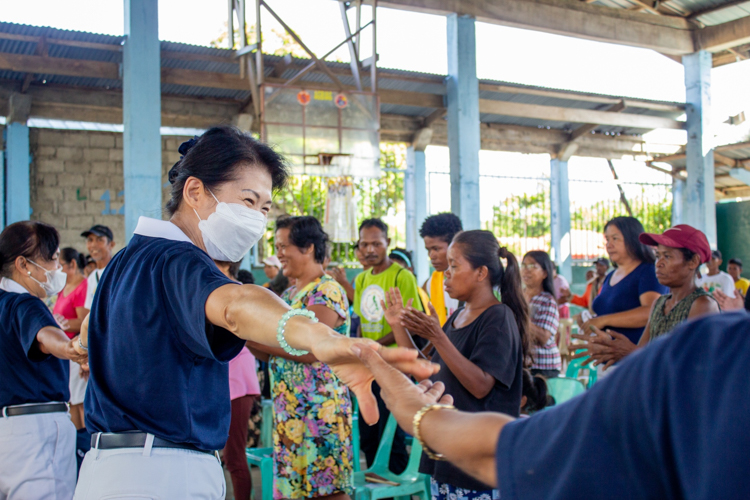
(670, 422)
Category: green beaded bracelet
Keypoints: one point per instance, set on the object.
(282, 324)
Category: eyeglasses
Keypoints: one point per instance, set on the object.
(530, 266)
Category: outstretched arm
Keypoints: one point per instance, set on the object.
(253, 313)
(472, 450)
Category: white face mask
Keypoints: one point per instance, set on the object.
(56, 280)
(231, 231)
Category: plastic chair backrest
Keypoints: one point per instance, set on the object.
(574, 368)
(563, 388)
(355, 434)
(383, 455)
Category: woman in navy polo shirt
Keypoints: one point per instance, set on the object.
(165, 322)
(37, 438)
(625, 300)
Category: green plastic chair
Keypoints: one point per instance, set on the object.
(355, 434)
(410, 482)
(575, 367)
(263, 459)
(266, 424)
(564, 388)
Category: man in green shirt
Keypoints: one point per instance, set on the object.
(369, 291)
(371, 285)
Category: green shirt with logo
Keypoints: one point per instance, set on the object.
(369, 291)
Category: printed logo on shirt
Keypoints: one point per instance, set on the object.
(370, 305)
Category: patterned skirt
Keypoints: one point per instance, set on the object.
(312, 439)
(445, 491)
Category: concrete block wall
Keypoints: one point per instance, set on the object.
(77, 181)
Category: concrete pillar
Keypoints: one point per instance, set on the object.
(560, 217)
(678, 201)
(700, 199)
(141, 112)
(17, 181)
(415, 194)
(463, 119)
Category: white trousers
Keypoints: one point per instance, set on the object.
(76, 384)
(150, 473)
(37, 457)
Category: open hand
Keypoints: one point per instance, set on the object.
(62, 322)
(728, 303)
(393, 305)
(340, 354)
(419, 323)
(402, 397)
(338, 274)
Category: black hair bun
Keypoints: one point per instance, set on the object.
(187, 146)
(183, 150)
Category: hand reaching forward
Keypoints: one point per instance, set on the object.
(340, 354)
(402, 397)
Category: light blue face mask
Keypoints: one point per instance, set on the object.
(231, 231)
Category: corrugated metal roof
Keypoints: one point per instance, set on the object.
(687, 7)
(388, 79)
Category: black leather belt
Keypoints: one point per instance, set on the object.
(15, 411)
(114, 440)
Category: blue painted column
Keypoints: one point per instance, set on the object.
(699, 198)
(560, 217)
(463, 119)
(17, 181)
(415, 196)
(141, 112)
(678, 201)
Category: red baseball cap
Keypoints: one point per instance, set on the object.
(680, 236)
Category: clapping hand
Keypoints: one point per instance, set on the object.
(62, 322)
(605, 348)
(417, 322)
(393, 305)
(728, 303)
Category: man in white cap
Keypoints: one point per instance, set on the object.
(277, 281)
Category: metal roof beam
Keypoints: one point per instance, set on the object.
(723, 36)
(577, 115)
(668, 34)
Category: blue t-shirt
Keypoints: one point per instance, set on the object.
(157, 364)
(670, 422)
(626, 295)
(27, 375)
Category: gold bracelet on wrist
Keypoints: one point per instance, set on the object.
(418, 421)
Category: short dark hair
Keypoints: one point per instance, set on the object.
(215, 156)
(631, 228)
(443, 225)
(70, 254)
(245, 277)
(305, 231)
(374, 222)
(736, 262)
(29, 239)
(716, 254)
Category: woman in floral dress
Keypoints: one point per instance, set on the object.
(312, 408)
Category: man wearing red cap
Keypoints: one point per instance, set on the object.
(680, 250)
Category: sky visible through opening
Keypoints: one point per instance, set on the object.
(417, 42)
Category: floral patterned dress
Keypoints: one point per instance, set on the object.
(312, 412)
